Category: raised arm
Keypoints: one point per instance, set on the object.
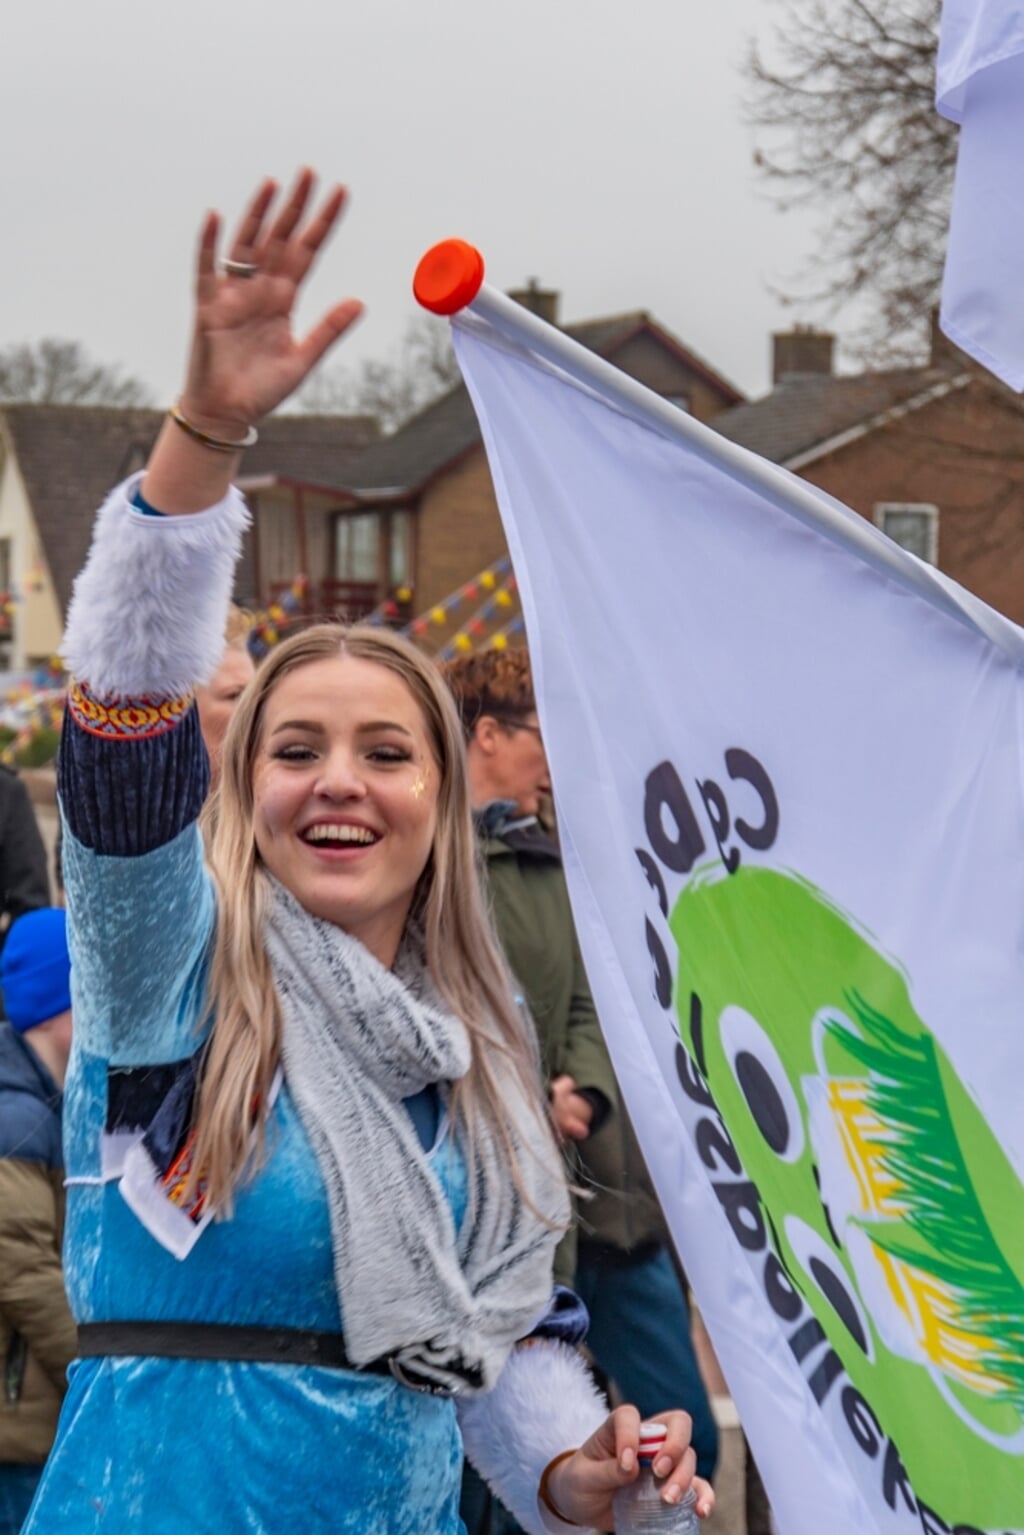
(244, 360)
(146, 624)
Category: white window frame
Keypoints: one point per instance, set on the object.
(925, 508)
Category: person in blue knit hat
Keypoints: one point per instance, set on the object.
(37, 1334)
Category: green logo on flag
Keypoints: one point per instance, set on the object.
(892, 1208)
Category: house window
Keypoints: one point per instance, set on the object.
(914, 526)
(357, 547)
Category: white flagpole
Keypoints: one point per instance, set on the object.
(464, 297)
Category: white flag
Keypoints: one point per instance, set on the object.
(980, 85)
(789, 789)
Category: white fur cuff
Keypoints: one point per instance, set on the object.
(544, 1402)
(148, 610)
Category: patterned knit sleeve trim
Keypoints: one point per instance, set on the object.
(125, 719)
(129, 787)
(146, 620)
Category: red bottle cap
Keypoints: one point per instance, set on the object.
(652, 1437)
(448, 277)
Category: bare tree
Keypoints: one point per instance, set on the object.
(848, 126)
(420, 368)
(56, 372)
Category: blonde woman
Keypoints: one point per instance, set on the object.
(216, 699)
(312, 1193)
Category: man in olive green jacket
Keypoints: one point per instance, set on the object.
(533, 918)
(37, 1333)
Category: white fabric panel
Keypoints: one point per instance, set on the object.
(822, 770)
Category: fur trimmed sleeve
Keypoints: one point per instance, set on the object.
(147, 613)
(544, 1402)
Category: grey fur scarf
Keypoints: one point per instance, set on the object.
(357, 1039)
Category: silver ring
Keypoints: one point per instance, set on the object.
(239, 268)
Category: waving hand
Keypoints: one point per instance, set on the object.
(245, 359)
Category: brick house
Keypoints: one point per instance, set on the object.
(57, 462)
(934, 455)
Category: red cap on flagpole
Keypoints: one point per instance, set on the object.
(448, 277)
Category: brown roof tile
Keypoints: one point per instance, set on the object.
(318, 449)
(406, 460)
(606, 336)
(806, 410)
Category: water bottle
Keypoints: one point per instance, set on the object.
(640, 1507)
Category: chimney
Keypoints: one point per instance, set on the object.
(542, 302)
(801, 350)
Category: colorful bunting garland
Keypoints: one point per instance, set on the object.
(390, 612)
(499, 640)
(269, 625)
(472, 635)
(487, 581)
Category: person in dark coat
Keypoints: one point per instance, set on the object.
(24, 881)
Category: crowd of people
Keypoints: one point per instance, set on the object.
(336, 1065)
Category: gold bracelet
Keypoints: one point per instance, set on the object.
(545, 1496)
(218, 444)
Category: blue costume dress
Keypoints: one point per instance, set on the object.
(169, 1445)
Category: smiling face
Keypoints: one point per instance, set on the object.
(345, 790)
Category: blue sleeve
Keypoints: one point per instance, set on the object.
(132, 777)
(140, 932)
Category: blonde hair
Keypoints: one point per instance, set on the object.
(462, 953)
(237, 628)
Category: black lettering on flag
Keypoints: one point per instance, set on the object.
(713, 1143)
(783, 1299)
(742, 1205)
(665, 792)
(692, 1083)
(806, 1338)
(654, 878)
(746, 769)
(861, 1421)
(895, 1479)
(825, 1375)
(931, 1524)
(662, 968)
(718, 815)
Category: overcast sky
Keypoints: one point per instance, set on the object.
(597, 146)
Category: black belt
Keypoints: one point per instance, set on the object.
(248, 1345)
(202, 1340)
